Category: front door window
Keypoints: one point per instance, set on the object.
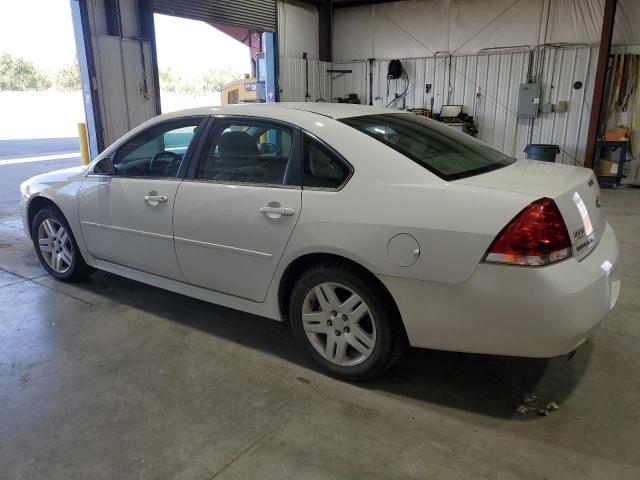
(157, 152)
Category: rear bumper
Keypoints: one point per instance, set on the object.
(504, 310)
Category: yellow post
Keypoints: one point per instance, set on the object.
(84, 147)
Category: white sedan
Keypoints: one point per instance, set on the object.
(369, 229)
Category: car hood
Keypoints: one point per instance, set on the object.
(58, 175)
(56, 179)
(574, 189)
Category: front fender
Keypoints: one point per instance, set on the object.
(61, 191)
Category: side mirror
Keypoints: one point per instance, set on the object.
(104, 167)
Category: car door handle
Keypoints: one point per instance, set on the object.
(155, 199)
(277, 211)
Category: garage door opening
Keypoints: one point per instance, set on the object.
(196, 61)
(201, 63)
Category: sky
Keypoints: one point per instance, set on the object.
(191, 47)
(42, 31)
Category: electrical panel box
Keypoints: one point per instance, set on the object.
(529, 99)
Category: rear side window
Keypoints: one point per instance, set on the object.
(248, 151)
(440, 149)
(322, 168)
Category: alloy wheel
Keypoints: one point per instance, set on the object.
(339, 324)
(55, 245)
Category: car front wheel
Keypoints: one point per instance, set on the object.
(56, 246)
(344, 322)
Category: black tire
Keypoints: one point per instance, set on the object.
(78, 269)
(390, 339)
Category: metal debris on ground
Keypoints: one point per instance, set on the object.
(530, 404)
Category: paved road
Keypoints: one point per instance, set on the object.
(37, 146)
(13, 174)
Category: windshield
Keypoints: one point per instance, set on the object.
(440, 149)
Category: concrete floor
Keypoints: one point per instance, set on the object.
(115, 379)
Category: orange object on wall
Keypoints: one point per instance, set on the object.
(615, 135)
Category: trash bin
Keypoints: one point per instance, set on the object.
(539, 151)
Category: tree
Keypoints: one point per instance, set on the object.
(213, 81)
(68, 78)
(167, 81)
(20, 75)
(217, 78)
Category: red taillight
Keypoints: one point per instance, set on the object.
(536, 236)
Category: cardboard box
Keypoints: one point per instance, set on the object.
(607, 168)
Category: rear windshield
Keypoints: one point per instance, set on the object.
(440, 149)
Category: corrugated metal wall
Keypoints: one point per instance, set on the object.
(487, 86)
(562, 68)
(292, 80)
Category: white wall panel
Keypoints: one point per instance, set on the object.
(120, 77)
(352, 33)
(420, 28)
(110, 75)
(492, 23)
(414, 28)
(292, 80)
(297, 30)
(580, 21)
(355, 82)
(129, 18)
(141, 106)
(568, 130)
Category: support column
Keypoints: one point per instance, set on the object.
(88, 80)
(601, 76)
(271, 59)
(325, 23)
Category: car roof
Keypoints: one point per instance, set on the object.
(303, 114)
(326, 109)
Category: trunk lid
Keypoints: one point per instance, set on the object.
(574, 189)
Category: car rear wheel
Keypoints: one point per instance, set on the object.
(56, 246)
(344, 322)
